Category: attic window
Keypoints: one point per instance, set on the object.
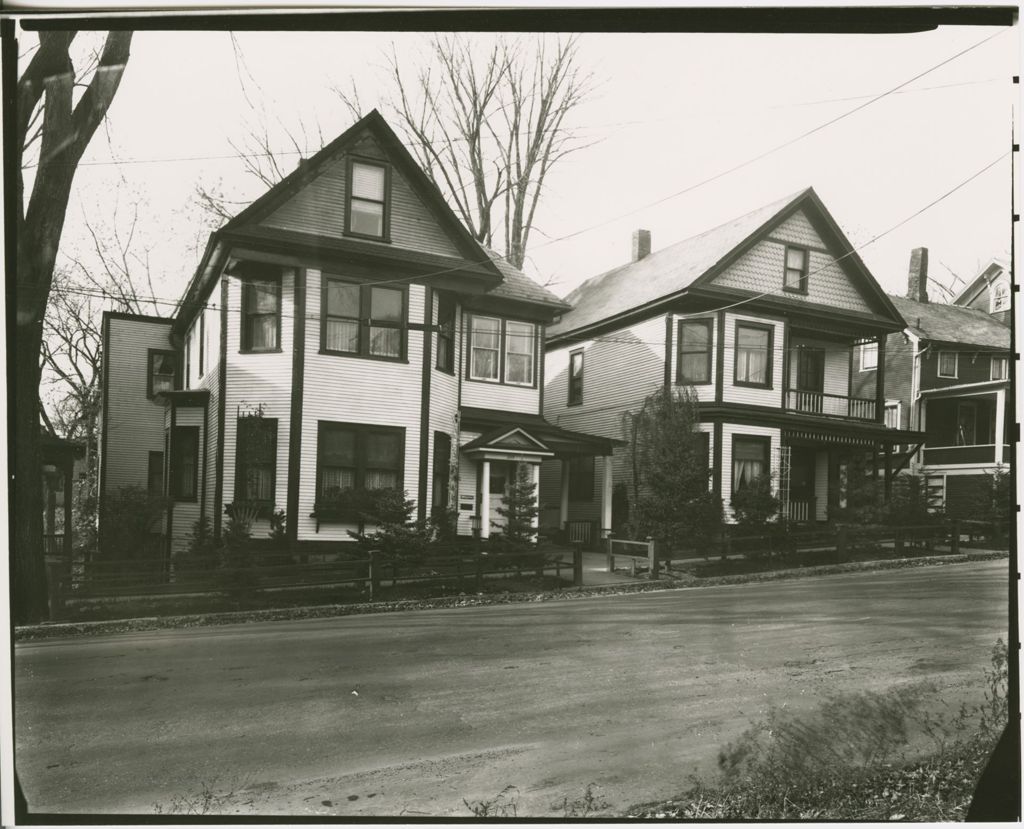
(367, 209)
(1000, 297)
(795, 277)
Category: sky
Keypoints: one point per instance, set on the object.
(668, 112)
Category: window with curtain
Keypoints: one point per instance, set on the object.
(184, 462)
(868, 356)
(1000, 368)
(352, 456)
(485, 348)
(753, 355)
(256, 460)
(749, 461)
(795, 278)
(367, 199)
(947, 364)
(519, 352)
(362, 320)
(445, 332)
(161, 372)
(575, 378)
(261, 315)
(694, 360)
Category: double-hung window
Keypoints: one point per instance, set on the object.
(160, 371)
(948, 364)
(1000, 297)
(184, 463)
(868, 356)
(753, 355)
(502, 351)
(1000, 368)
(694, 361)
(795, 276)
(367, 212)
(353, 456)
(256, 460)
(576, 378)
(749, 461)
(363, 320)
(446, 332)
(261, 315)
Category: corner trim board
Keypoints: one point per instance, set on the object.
(421, 483)
(222, 388)
(295, 415)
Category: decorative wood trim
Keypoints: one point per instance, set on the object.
(222, 390)
(720, 356)
(776, 240)
(295, 413)
(425, 457)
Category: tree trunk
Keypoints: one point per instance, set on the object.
(29, 589)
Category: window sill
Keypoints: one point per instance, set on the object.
(352, 356)
(745, 385)
(351, 234)
(799, 291)
(502, 383)
(261, 351)
(449, 372)
(574, 403)
(682, 381)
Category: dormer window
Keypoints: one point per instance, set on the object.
(366, 212)
(1000, 297)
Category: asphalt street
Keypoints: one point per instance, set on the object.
(410, 713)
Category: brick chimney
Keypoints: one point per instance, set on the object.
(641, 244)
(917, 279)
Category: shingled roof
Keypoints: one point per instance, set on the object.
(953, 323)
(518, 286)
(663, 272)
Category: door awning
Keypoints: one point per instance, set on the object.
(524, 435)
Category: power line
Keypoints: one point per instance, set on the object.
(774, 149)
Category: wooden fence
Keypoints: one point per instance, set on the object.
(279, 573)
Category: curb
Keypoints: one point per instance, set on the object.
(58, 630)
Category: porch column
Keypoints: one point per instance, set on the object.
(563, 504)
(1000, 424)
(880, 381)
(888, 471)
(69, 488)
(535, 480)
(485, 499)
(606, 498)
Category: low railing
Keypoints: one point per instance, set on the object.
(802, 511)
(976, 453)
(830, 405)
(635, 551)
(53, 544)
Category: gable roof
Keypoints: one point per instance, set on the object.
(983, 279)
(953, 324)
(695, 261)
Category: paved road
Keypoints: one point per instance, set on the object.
(412, 712)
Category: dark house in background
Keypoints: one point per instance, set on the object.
(948, 375)
(58, 457)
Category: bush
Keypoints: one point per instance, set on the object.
(130, 517)
(203, 553)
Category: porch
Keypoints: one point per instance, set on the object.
(966, 429)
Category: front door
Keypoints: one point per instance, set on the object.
(810, 379)
(801, 484)
(501, 477)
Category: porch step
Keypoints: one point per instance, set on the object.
(935, 492)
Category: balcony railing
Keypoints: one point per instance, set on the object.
(830, 405)
(977, 453)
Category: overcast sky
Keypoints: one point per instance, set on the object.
(669, 111)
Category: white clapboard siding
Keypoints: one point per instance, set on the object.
(444, 399)
(133, 425)
(356, 390)
(761, 268)
(837, 364)
(743, 394)
(319, 207)
(254, 380)
(728, 431)
(467, 485)
(186, 513)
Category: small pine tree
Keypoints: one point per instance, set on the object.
(519, 508)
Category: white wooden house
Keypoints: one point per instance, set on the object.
(760, 317)
(343, 332)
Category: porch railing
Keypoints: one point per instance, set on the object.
(53, 544)
(977, 453)
(802, 511)
(830, 405)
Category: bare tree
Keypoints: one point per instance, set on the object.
(48, 121)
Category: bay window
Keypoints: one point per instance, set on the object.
(519, 345)
(485, 348)
(363, 320)
(753, 365)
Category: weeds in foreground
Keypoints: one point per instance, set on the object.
(590, 803)
(847, 760)
(207, 801)
(504, 805)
